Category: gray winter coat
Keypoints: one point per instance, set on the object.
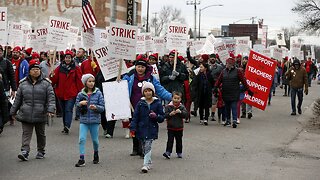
(33, 102)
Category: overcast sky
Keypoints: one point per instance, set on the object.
(276, 13)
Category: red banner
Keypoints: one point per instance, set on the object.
(259, 74)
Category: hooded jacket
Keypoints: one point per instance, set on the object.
(175, 122)
(297, 77)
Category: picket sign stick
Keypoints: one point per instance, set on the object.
(53, 59)
(175, 60)
(119, 71)
(6, 52)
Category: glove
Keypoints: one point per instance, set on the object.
(306, 91)
(153, 115)
(175, 73)
(132, 133)
(93, 65)
(172, 77)
(250, 92)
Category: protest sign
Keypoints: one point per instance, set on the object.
(177, 37)
(15, 34)
(259, 73)
(26, 29)
(58, 32)
(122, 41)
(155, 72)
(313, 55)
(266, 52)
(41, 33)
(109, 66)
(230, 45)
(208, 47)
(222, 51)
(277, 53)
(103, 36)
(264, 39)
(148, 42)
(242, 46)
(195, 46)
(295, 48)
(73, 35)
(31, 41)
(3, 26)
(258, 48)
(141, 46)
(301, 56)
(117, 101)
(159, 46)
(280, 39)
(88, 38)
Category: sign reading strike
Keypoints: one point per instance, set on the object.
(177, 37)
(122, 41)
(3, 25)
(58, 31)
(222, 51)
(259, 73)
(15, 34)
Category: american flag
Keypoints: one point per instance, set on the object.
(88, 17)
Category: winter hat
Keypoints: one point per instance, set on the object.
(68, 52)
(212, 56)
(155, 56)
(182, 59)
(231, 61)
(296, 62)
(17, 48)
(239, 56)
(147, 85)
(35, 55)
(34, 64)
(85, 78)
(205, 57)
(141, 60)
(231, 55)
(28, 51)
(172, 53)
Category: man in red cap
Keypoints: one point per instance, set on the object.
(153, 59)
(230, 79)
(20, 66)
(90, 66)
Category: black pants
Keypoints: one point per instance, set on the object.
(104, 120)
(174, 135)
(110, 127)
(206, 112)
(137, 146)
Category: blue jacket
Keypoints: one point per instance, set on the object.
(23, 69)
(96, 98)
(142, 124)
(160, 90)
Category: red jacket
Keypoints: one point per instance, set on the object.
(67, 85)
(86, 67)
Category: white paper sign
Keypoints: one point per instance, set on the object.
(3, 26)
(313, 55)
(301, 56)
(31, 41)
(109, 66)
(141, 46)
(159, 46)
(295, 49)
(15, 34)
(258, 48)
(122, 41)
(280, 39)
(230, 45)
(242, 46)
(277, 53)
(26, 28)
(177, 37)
(222, 51)
(41, 33)
(266, 52)
(196, 46)
(73, 35)
(89, 38)
(117, 101)
(148, 42)
(103, 36)
(155, 72)
(58, 31)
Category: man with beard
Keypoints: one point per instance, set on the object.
(20, 66)
(80, 56)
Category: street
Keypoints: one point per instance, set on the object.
(271, 145)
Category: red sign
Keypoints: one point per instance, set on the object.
(259, 73)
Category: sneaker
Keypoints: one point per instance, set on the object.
(249, 115)
(234, 125)
(179, 155)
(105, 132)
(187, 120)
(166, 155)
(201, 121)
(134, 153)
(227, 123)
(23, 156)
(96, 159)
(293, 113)
(243, 116)
(127, 133)
(223, 122)
(205, 122)
(213, 119)
(76, 118)
(40, 155)
(65, 130)
(108, 136)
(285, 95)
(269, 103)
(144, 169)
(194, 113)
(238, 121)
(81, 163)
(299, 111)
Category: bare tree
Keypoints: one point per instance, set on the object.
(309, 10)
(160, 21)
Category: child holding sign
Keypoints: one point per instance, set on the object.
(148, 113)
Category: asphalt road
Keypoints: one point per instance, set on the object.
(254, 150)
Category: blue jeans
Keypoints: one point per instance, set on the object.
(67, 111)
(231, 106)
(296, 92)
(310, 76)
(146, 148)
(94, 133)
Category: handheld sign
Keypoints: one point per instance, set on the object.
(3, 26)
(58, 31)
(15, 34)
(259, 73)
(222, 51)
(177, 36)
(141, 46)
(159, 46)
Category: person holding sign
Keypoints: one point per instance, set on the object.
(297, 76)
(136, 78)
(144, 125)
(67, 79)
(230, 79)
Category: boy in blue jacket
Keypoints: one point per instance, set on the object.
(148, 113)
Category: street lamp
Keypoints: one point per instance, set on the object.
(204, 9)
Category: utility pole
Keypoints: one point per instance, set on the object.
(194, 3)
(155, 23)
(147, 28)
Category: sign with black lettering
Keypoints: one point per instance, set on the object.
(58, 31)
(130, 12)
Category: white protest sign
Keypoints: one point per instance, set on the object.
(266, 52)
(159, 46)
(73, 35)
(103, 36)
(31, 41)
(141, 48)
(277, 53)
(177, 37)
(117, 101)
(264, 39)
(295, 48)
(230, 45)
(155, 72)
(285, 51)
(15, 34)
(58, 32)
(258, 48)
(280, 39)
(3, 26)
(79, 43)
(222, 51)
(26, 28)
(301, 56)
(109, 66)
(88, 38)
(242, 46)
(208, 47)
(122, 41)
(41, 33)
(313, 55)
(149, 45)
(196, 46)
